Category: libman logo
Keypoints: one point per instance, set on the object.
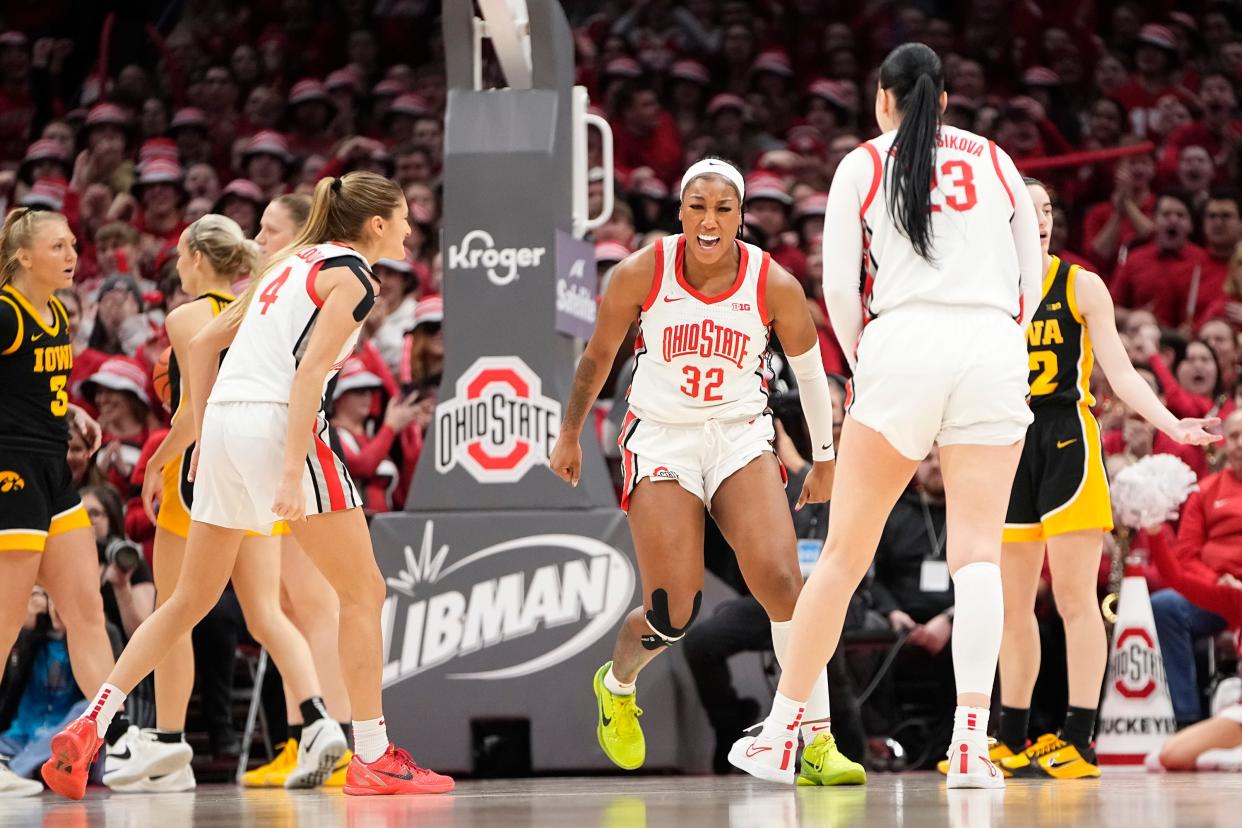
(499, 424)
(1136, 666)
(511, 609)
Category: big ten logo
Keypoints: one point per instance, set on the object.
(1136, 666)
(570, 590)
(11, 481)
(499, 424)
(478, 249)
(664, 473)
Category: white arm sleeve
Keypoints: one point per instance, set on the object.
(1025, 226)
(816, 402)
(843, 249)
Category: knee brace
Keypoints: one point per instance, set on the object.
(661, 624)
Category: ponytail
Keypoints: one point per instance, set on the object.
(339, 209)
(913, 73)
(18, 232)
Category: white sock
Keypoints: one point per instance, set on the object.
(970, 725)
(785, 718)
(616, 686)
(818, 716)
(104, 706)
(370, 739)
(978, 621)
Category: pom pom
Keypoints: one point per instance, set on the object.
(1151, 491)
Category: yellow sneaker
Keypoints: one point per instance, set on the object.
(274, 773)
(997, 753)
(337, 779)
(1052, 758)
(619, 733)
(824, 764)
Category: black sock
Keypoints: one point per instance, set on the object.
(1014, 723)
(170, 736)
(295, 732)
(347, 729)
(313, 710)
(1079, 727)
(120, 724)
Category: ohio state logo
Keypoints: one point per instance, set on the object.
(499, 425)
(1136, 664)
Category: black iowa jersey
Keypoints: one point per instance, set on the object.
(35, 361)
(176, 395)
(1058, 344)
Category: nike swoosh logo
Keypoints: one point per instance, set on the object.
(121, 756)
(36, 337)
(1063, 443)
(407, 776)
(752, 751)
(314, 739)
(1052, 763)
(603, 717)
(673, 298)
(825, 447)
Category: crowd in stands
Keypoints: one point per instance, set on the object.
(135, 127)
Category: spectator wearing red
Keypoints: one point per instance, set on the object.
(644, 135)
(105, 136)
(767, 205)
(366, 454)
(263, 111)
(1154, 68)
(1136, 438)
(44, 158)
(189, 129)
(831, 106)
(771, 83)
(344, 88)
(1222, 231)
(1195, 383)
(687, 94)
(1220, 337)
(120, 390)
(17, 103)
(395, 305)
(402, 116)
(243, 202)
(1126, 218)
(1218, 131)
(808, 221)
(1156, 276)
(160, 190)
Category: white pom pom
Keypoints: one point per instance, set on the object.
(1152, 490)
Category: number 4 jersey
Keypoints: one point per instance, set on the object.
(698, 357)
(276, 329)
(35, 361)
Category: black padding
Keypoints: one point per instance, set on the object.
(660, 621)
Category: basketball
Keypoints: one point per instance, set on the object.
(159, 378)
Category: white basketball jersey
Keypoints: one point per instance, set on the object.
(701, 358)
(276, 329)
(975, 261)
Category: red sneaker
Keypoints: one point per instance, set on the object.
(73, 752)
(395, 772)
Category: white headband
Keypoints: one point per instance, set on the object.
(714, 166)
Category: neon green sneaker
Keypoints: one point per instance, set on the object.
(619, 733)
(823, 764)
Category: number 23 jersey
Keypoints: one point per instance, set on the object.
(274, 334)
(697, 357)
(35, 361)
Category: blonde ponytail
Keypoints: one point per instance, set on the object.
(18, 232)
(222, 243)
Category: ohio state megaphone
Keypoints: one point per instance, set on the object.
(1136, 716)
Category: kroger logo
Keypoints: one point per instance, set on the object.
(570, 590)
(478, 249)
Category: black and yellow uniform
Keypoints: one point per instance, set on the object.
(37, 496)
(178, 497)
(1061, 485)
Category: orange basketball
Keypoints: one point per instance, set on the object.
(159, 377)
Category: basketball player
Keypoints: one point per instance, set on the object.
(949, 273)
(45, 534)
(212, 253)
(260, 458)
(699, 434)
(1060, 502)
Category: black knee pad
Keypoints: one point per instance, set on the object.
(661, 623)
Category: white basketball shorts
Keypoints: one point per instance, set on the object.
(697, 457)
(239, 463)
(943, 374)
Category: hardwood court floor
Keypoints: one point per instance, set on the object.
(1120, 800)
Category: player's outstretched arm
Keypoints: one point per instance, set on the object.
(1095, 305)
(627, 292)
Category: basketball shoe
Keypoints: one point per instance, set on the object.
(823, 764)
(1051, 757)
(395, 772)
(767, 757)
(73, 752)
(176, 782)
(323, 743)
(997, 752)
(139, 755)
(970, 767)
(618, 732)
(12, 785)
(275, 772)
(1220, 759)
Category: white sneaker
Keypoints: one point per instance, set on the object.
(1227, 694)
(175, 782)
(773, 758)
(139, 755)
(12, 785)
(1152, 762)
(970, 767)
(1220, 759)
(321, 745)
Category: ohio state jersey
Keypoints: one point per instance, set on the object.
(700, 358)
(276, 329)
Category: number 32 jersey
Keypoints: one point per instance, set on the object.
(273, 336)
(698, 357)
